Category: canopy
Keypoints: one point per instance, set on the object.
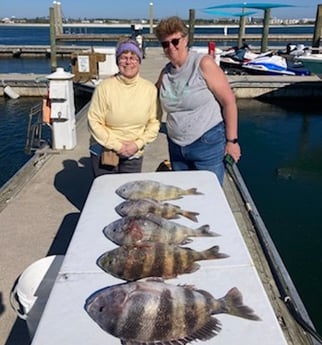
(257, 5)
(228, 14)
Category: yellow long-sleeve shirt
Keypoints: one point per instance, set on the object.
(124, 109)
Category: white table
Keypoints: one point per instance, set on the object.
(65, 320)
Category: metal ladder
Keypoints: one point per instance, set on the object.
(34, 129)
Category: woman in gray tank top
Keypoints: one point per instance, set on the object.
(200, 105)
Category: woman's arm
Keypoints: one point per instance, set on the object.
(97, 120)
(219, 85)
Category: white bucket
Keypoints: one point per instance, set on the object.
(30, 293)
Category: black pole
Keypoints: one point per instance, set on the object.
(317, 29)
(191, 26)
(267, 15)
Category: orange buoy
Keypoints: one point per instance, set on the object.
(46, 110)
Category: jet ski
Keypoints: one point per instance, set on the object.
(234, 58)
(274, 65)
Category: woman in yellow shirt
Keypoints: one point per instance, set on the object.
(122, 117)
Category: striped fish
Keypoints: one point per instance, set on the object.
(154, 260)
(135, 229)
(141, 207)
(152, 190)
(153, 312)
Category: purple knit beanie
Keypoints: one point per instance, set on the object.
(128, 46)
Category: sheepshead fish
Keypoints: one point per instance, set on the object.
(154, 260)
(141, 207)
(153, 190)
(135, 229)
(154, 312)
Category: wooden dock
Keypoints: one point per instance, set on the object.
(39, 50)
(67, 44)
(197, 38)
(244, 86)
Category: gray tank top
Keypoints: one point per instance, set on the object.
(191, 107)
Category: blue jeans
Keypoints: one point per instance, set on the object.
(206, 153)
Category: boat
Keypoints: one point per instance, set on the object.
(313, 62)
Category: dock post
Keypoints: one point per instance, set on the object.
(267, 15)
(151, 17)
(191, 27)
(241, 33)
(53, 57)
(58, 17)
(317, 30)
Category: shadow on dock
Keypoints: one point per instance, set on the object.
(75, 189)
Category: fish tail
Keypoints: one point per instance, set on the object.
(193, 191)
(213, 253)
(190, 215)
(232, 303)
(204, 231)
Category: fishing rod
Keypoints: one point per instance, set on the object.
(284, 282)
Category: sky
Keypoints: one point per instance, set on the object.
(129, 9)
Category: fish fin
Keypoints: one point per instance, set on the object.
(181, 341)
(193, 268)
(135, 342)
(129, 342)
(204, 230)
(193, 191)
(153, 279)
(171, 217)
(190, 215)
(155, 218)
(187, 286)
(232, 304)
(186, 241)
(208, 331)
(168, 204)
(213, 253)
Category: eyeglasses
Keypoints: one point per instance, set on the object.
(174, 42)
(130, 59)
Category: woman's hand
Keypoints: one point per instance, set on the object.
(233, 150)
(128, 149)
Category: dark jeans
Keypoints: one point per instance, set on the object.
(206, 153)
(124, 166)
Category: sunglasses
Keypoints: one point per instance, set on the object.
(174, 42)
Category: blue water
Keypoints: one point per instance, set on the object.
(15, 35)
(22, 35)
(281, 164)
(13, 129)
(282, 167)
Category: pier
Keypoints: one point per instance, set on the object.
(244, 86)
(219, 38)
(64, 46)
(42, 204)
(42, 51)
